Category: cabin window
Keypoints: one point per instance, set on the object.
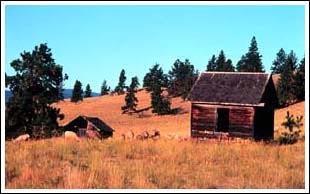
(222, 120)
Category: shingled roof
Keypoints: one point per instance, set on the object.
(229, 87)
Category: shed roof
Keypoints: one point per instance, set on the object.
(98, 124)
(229, 87)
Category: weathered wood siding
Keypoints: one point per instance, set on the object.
(241, 120)
(204, 119)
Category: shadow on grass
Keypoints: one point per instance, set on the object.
(140, 113)
(178, 111)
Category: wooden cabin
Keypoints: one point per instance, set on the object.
(237, 104)
(83, 125)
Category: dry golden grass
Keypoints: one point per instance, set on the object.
(295, 109)
(108, 108)
(151, 164)
(114, 163)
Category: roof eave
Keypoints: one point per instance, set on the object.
(190, 92)
(228, 103)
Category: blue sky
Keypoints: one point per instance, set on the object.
(94, 43)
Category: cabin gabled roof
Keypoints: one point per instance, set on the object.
(81, 121)
(229, 87)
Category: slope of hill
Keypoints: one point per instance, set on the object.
(108, 108)
(295, 109)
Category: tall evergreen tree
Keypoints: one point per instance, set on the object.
(87, 91)
(252, 61)
(105, 89)
(212, 66)
(130, 98)
(220, 63)
(181, 78)
(77, 92)
(241, 64)
(154, 80)
(121, 84)
(155, 74)
(285, 86)
(299, 81)
(229, 66)
(278, 63)
(160, 104)
(35, 86)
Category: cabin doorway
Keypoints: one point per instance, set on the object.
(82, 132)
(222, 120)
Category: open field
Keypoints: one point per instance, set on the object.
(153, 164)
(114, 163)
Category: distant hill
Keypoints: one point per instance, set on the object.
(67, 94)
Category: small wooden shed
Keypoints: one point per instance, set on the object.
(239, 104)
(81, 124)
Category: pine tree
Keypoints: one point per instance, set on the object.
(212, 66)
(77, 92)
(241, 64)
(181, 78)
(220, 63)
(291, 122)
(130, 98)
(87, 91)
(229, 66)
(299, 81)
(36, 85)
(292, 136)
(278, 63)
(251, 62)
(121, 84)
(155, 74)
(160, 104)
(154, 80)
(104, 88)
(285, 86)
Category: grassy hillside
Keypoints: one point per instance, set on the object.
(108, 108)
(114, 163)
(295, 109)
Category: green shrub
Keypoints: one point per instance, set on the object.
(290, 123)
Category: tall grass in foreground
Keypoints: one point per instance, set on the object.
(152, 164)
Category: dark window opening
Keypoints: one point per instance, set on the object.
(222, 120)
